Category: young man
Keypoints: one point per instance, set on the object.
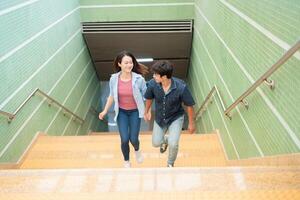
(168, 93)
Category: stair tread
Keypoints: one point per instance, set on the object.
(203, 195)
(104, 151)
(186, 179)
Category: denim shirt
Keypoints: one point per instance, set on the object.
(168, 106)
(138, 90)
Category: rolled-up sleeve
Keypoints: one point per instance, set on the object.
(149, 92)
(187, 97)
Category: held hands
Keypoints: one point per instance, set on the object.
(102, 114)
(147, 116)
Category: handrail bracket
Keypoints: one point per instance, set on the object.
(228, 115)
(245, 103)
(270, 83)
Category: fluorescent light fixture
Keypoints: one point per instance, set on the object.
(144, 59)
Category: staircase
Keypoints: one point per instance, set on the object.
(90, 167)
(103, 151)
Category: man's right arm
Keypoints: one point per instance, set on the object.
(147, 115)
(149, 96)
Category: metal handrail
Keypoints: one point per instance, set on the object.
(202, 108)
(93, 110)
(11, 116)
(263, 78)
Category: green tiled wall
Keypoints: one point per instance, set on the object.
(136, 10)
(234, 43)
(42, 47)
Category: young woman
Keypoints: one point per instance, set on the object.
(127, 87)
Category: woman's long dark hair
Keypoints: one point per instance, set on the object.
(137, 67)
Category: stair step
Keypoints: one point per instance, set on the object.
(203, 195)
(102, 151)
(218, 179)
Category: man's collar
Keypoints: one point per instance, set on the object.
(173, 84)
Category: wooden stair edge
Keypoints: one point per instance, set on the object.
(23, 157)
(292, 159)
(214, 169)
(274, 160)
(6, 166)
(288, 194)
(185, 132)
(116, 133)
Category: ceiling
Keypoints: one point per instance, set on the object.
(159, 40)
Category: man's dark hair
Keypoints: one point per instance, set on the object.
(163, 67)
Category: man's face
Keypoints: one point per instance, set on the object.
(157, 78)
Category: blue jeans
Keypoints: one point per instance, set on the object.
(129, 127)
(174, 129)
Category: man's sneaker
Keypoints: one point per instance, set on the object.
(127, 164)
(170, 165)
(139, 156)
(163, 147)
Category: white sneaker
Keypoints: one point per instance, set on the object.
(170, 165)
(127, 164)
(139, 156)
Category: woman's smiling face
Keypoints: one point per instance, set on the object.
(126, 64)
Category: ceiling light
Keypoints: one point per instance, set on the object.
(144, 59)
